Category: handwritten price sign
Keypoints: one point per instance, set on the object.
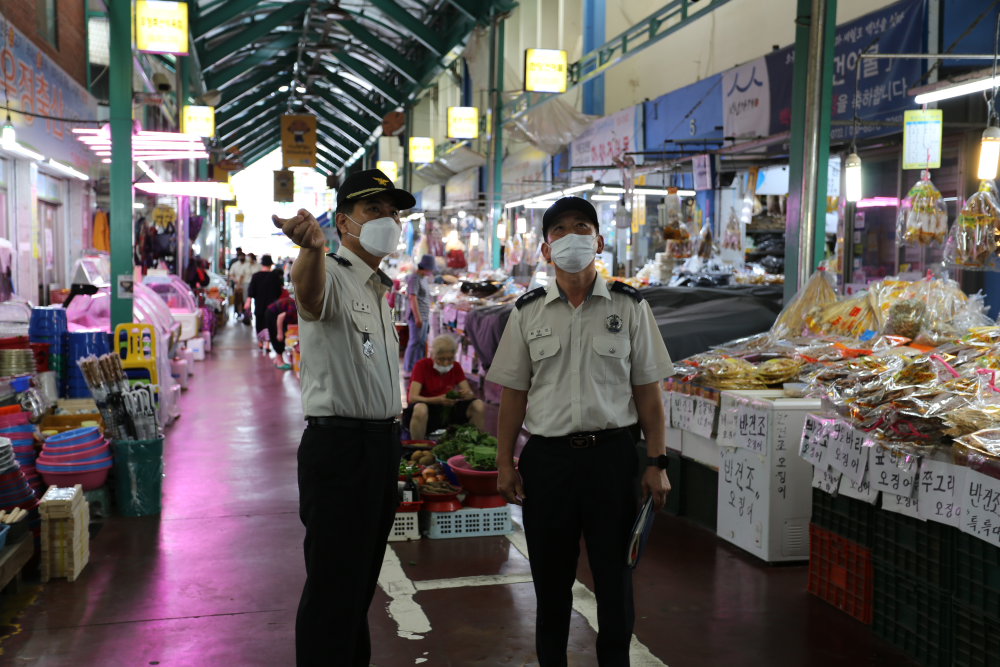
(681, 411)
(813, 445)
(703, 422)
(901, 505)
(862, 491)
(887, 475)
(728, 420)
(981, 507)
(847, 449)
(940, 485)
(827, 481)
(752, 424)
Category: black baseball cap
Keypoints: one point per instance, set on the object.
(369, 183)
(568, 204)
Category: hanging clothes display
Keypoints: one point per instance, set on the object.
(102, 232)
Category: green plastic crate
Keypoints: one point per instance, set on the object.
(977, 575)
(912, 616)
(977, 643)
(924, 550)
(849, 518)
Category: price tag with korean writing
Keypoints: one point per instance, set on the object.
(728, 415)
(939, 486)
(681, 411)
(813, 445)
(704, 417)
(862, 491)
(886, 473)
(981, 507)
(901, 505)
(846, 447)
(827, 481)
(740, 476)
(752, 423)
(665, 397)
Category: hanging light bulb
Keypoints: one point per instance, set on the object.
(9, 137)
(522, 225)
(501, 230)
(989, 154)
(453, 236)
(852, 174)
(474, 239)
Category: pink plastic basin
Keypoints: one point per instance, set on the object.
(89, 480)
(61, 451)
(47, 459)
(7, 421)
(480, 485)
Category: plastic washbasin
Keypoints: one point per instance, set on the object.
(87, 466)
(89, 479)
(75, 447)
(441, 502)
(480, 485)
(75, 459)
(13, 420)
(21, 428)
(73, 436)
(66, 454)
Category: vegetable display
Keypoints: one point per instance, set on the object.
(446, 411)
(459, 439)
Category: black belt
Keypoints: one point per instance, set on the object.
(364, 424)
(592, 439)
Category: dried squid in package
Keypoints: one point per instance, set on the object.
(973, 239)
(817, 292)
(923, 215)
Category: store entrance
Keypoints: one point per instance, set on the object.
(49, 251)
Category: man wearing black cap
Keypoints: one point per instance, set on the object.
(586, 356)
(351, 399)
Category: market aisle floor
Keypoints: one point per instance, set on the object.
(215, 580)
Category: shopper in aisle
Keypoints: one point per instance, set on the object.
(587, 356)
(350, 395)
(239, 253)
(239, 275)
(428, 406)
(264, 288)
(280, 315)
(418, 313)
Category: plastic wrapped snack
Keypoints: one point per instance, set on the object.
(671, 215)
(923, 216)
(817, 292)
(705, 243)
(906, 318)
(731, 237)
(973, 238)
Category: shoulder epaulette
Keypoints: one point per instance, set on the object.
(343, 261)
(528, 297)
(625, 288)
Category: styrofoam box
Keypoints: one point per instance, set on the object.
(197, 347)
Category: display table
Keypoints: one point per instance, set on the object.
(13, 557)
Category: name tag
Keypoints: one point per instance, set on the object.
(362, 307)
(538, 333)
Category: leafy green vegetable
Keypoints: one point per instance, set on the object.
(482, 457)
(460, 439)
(446, 411)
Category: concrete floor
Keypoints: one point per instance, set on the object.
(215, 580)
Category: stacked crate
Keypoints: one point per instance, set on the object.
(65, 533)
(840, 556)
(976, 604)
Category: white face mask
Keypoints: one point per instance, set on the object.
(574, 252)
(443, 369)
(380, 236)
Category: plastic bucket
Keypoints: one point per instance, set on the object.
(138, 476)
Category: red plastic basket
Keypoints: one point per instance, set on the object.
(840, 572)
(409, 507)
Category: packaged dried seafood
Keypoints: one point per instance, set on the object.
(851, 317)
(778, 371)
(671, 218)
(923, 215)
(906, 318)
(732, 239)
(973, 238)
(817, 292)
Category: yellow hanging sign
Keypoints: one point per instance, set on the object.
(161, 27)
(388, 167)
(421, 150)
(198, 120)
(463, 122)
(298, 141)
(284, 186)
(545, 71)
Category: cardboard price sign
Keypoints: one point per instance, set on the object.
(940, 486)
(681, 411)
(901, 505)
(886, 473)
(862, 491)
(847, 446)
(981, 507)
(827, 481)
(813, 445)
(704, 417)
(751, 424)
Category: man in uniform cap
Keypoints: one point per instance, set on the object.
(351, 399)
(580, 361)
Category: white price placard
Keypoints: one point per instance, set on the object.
(939, 486)
(887, 476)
(665, 399)
(681, 411)
(901, 505)
(813, 445)
(862, 491)
(827, 481)
(727, 424)
(752, 424)
(846, 447)
(981, 507)
(704, 417)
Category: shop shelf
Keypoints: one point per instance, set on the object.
(847, 517)
(976, 643)
(840, 572)
(466, 522)
(912, 616)
(923, 550)
(977, 575)
(405, 527)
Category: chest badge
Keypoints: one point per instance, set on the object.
(613, 323)
(367, 347)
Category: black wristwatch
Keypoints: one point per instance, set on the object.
(660, 461)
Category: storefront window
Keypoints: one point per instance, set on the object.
(47, 21)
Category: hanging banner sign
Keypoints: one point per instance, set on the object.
(463, 122)
(606, 139)
(298, 141)
(746, 101)
(421, 150)
(701, 166)
(284, 186)
(389, 168)
(922, 139)
(198, 120)
(161, 27)
(545, 71)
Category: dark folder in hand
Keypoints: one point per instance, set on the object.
(640, 532)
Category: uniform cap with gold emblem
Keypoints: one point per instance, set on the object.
(365, 184)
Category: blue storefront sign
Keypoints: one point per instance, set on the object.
(692, 112)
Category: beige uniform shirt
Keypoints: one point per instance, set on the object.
(579, 365)
(350, 355)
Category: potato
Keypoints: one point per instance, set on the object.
(426, 460)
(416, 456)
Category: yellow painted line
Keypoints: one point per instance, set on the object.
(12, 608)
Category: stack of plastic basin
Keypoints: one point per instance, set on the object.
(81, 344)
(48, 325)
(81, 456)
(15, 427)
(15, 492)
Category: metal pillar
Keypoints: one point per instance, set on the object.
(120, 99)
(407, 133)
(810, 139)
(497, 103)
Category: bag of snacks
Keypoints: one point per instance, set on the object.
(731, 237)
(818, 291)
(671, 218)
(973, 238)
(705, 244)
(923, 216)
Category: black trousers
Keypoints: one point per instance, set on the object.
(272, 332)
(568, 492)
(343, 550)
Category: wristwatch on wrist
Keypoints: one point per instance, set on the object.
(660, 461)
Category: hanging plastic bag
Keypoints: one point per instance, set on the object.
(973, 239)
(923, 216)
(671, 217)
(817, 292)
(705, 244)
(731, 237)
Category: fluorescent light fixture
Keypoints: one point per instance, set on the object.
(613, 191)
(18, 148)
(282, 89)
(873, 202)
(138, 205)
(519, 202)
(68, 170)
(957, 91)
(522, 225)
(578, 188)
(501, 230)
(300, 89)
(9, 137)
(474, 238)
(550, 195)
(989, 154)
(538, 204)
(604, 197)
(852, 176)
(461, 214)
(206, 189)
(454, 221)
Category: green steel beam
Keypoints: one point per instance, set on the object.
(497, 148)
(120, 107)
(325, 159)
(362, 71)
(250, 126)
(246, 103)
(259, 155)
(258, 57)
(230, 94)
(273, 134)
(334, 148)
(413, 26)
(331, 156)
(385, 51)
(357, 96)
(637, 38)
(365, 125)
(341, 127)
(226, 11)
(467, 8)
(253, 32)
(263, 148)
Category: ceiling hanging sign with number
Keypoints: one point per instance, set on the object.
(161, 27)
(421, 150)
(463, 122)
(545, 71)
(298, 141)
(922, 138)
(163, 216)
(284, 186)
(198, 120)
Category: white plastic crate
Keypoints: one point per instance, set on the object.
(404, 527)
(467, 522)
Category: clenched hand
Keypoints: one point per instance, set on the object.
(302, 229)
